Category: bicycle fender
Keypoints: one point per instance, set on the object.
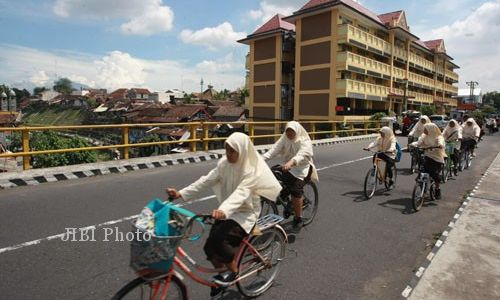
(283, 232)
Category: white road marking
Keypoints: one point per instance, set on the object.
(52, 237)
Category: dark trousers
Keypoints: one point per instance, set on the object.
(388, 161)
(433, 168)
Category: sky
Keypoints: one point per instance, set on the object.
(166, 44)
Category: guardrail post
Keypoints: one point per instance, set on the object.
(205, 137)
(334, 129)
(313, 129)
(351, 128)
(125, 131)
(26, 148)
(192, 129)
(251, 131)
(366, 127)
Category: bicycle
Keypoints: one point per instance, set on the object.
(466, 154)
(309, 205)
(260, 253)
(449, 163)
(423, 183)
(375, 175)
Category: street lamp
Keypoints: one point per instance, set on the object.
(405, 87)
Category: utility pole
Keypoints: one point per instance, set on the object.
(201, 84)
(472, 85)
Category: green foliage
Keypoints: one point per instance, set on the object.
(477, 115)
(222, 95)
(244, 93)
(488, 109)
(428, 110)
(39, 90)
(378, 116)
(46, 115)
(92, 102)
(48, 140)
(492, 98)
(63, 86)
(148, 151)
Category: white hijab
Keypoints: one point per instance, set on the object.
(250, 170)
(386, 141)
(419, 127)
(433, 138)
(449, 131)
(471, 131)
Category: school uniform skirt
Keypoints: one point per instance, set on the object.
(224, 241)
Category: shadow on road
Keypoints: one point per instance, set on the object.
(404, 205)
(404, 171)
(359, 196)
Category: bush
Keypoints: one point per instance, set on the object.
(378, 116)
(428, 110)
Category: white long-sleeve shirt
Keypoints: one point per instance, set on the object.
(301, 168)
(242, 206)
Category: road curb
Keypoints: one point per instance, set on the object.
(444, 235)
(154, 163)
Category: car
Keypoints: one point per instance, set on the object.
(440, 120)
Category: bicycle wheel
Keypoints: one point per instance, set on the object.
(467, 159)
(432, 191)
(141, 288)
(394, 178)
(310, 205)
(258, 276)
(370, 183)
(445, 170)
(462, 161)
(418, 196)
(413, 165)
(267, 207)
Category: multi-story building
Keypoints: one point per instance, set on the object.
(337, 60)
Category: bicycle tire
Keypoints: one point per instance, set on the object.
(371, 176)
(445, 170)
(308, 218)
(413, 164)
(461, 163)
(128, 290)
(267, 207)
(248, 258)
(467, 159)
(417, 198)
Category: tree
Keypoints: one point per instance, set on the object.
(243, 94)
(492, 98)
(39, 90)
(488, 109)
(63, 86)
(48, 140)
(222, 95)
(428, 110)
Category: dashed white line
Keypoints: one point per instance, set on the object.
(52, 237)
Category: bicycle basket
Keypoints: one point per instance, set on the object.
(152, 253)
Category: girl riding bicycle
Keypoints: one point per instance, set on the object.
(452, 134)
(433, 158)
(385, 144)
(296, 148)
(239, 180)
(418, 129)
(471, 133)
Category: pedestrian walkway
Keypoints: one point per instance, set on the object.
(467, 265)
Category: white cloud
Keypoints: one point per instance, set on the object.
(24, 67)
(474, 44)
(144, 17)
(213, 37)
(269, 8)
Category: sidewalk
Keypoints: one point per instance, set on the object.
(467, 265)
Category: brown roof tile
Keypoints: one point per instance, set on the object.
(388, 17)
(275, 23)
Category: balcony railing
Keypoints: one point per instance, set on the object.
(451, 88)
(355, 60)
(399, 73)
(417, 60)
(452, 75)
(364, 88)
(421, 80)
(419, 97)
(452, 102)
(352, 33)
(401, 53)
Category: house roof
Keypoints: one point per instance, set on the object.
(141, 91)
(433, 44)
(319, 4)
(177, 113)
(7, 118)
(388, 17)
(273, 24)
(228, 111)
(118, 94)
(221, 103)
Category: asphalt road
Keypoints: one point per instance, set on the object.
(355, 249)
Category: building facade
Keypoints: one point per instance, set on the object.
(337, 60)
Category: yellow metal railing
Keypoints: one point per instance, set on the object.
(356, 34)
(345, 127)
